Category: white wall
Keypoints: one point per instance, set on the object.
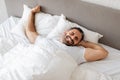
(108, 3)
(3, 11)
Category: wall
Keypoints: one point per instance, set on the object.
(115, 4)
(3, 11)
(15, 7)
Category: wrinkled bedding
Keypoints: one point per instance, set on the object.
(22, 61)
(32, 62)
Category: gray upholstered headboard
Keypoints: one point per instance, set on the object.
(94, 17)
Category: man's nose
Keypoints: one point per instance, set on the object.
(72, 37)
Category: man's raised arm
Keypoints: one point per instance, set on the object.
(93, 51)
(30, 27)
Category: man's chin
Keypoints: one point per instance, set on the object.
(68, 44)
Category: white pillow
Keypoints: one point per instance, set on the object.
(44, 23)
(64, 25)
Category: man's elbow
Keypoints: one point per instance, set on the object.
(104, 54)
(31, 36)
(32, 41)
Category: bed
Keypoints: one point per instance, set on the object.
(106, 69)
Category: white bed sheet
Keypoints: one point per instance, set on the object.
(109, 66)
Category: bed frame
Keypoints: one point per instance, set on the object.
(94, 17)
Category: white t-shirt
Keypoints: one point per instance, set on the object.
(52, 45)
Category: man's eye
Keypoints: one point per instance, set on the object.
(76, 38)
(72, 33)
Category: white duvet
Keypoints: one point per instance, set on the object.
(19, 61)
(30, 62)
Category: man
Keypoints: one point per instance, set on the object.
(73, 37)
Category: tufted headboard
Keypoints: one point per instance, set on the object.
(94, 17)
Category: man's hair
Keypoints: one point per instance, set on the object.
(80, 30)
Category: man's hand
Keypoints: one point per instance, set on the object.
(82, 43)
(36, 9)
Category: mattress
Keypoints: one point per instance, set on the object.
(109, 66)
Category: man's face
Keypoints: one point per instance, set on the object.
(72, 37)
